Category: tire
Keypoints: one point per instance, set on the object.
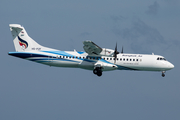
(163, 75)
(99, 73)
(95, 71)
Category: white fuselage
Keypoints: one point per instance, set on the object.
(76, 59)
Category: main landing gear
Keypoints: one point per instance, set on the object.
(163, 73)
(97, 71)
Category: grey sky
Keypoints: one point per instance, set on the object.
(33, 91)
(153, 9)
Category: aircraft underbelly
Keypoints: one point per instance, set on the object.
(58, 63)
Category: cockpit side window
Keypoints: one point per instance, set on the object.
(161, 59)
(164, 59)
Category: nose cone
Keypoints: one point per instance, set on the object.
(171, 66)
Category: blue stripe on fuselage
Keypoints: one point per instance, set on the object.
(44, 58)
(26, 54)
(58, 53)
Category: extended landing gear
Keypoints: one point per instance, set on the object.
(163, 73)
(97, 71)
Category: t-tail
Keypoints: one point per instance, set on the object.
(22, 41)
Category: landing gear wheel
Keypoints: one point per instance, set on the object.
(99, 73)
(163, 75)
(95, 71)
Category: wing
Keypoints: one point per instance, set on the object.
(91, 48)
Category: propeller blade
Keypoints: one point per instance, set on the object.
(122, 50)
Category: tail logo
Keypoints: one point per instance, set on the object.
(22, 43)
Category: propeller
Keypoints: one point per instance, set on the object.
(115, 54)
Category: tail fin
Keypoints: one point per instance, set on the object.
(22, 41)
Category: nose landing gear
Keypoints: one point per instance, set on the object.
(163, 73)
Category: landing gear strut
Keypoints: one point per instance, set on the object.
(163, 73)
(97, 71)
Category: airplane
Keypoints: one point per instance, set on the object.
(94, 58)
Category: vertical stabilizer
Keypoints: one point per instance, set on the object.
(22, 41)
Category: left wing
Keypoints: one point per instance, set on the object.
(93, 49)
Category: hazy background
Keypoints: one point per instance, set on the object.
(31, 91)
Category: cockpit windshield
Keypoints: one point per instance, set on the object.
(159, 58)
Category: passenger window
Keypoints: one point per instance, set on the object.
(107, 58)
(133, 59)
(130, 59)
(124, 59)
(136, 59)
(127, 59)
(120, 59)
(110, 58)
